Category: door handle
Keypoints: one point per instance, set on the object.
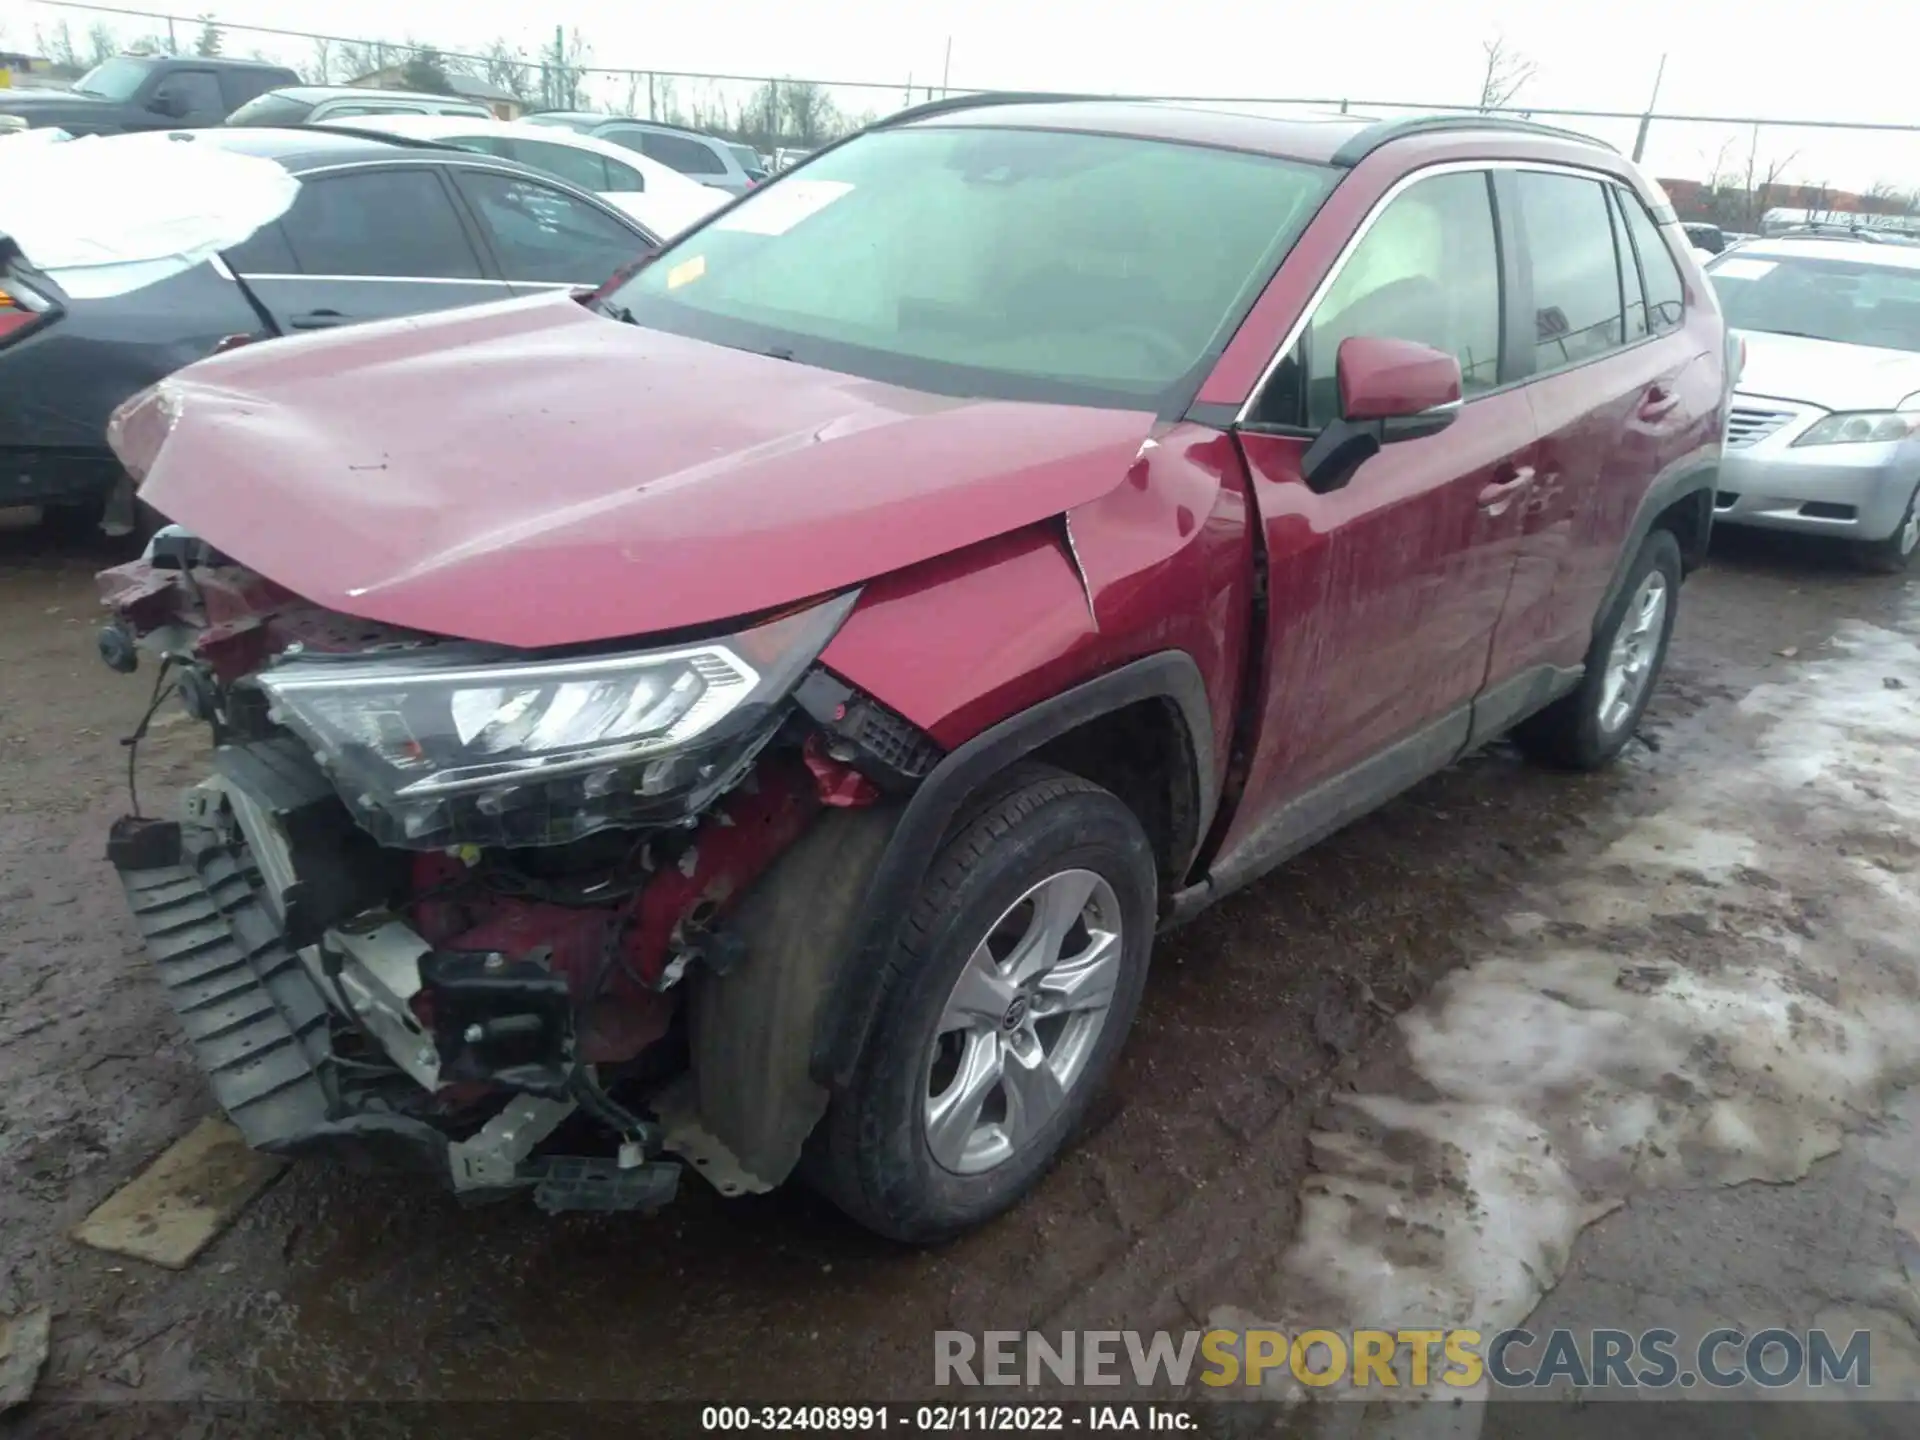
(1658, 403)
(1496, 495)
(317, 320)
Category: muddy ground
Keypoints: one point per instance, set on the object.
(1177, 1201)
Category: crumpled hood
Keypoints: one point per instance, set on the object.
(533, 474)
(1827, 374)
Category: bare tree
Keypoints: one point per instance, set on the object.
(102, 43)
(358, 58)
(1760, 183)
(508, 68)
(666, 101)
(319, 66)
(1506, 75)
(563, 71)
(56, 43)
(1883, 197)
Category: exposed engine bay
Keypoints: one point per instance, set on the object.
(439, 903)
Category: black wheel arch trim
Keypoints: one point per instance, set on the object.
(1692, 476)
(855, 992)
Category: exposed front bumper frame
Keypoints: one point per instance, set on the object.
(261, 1021)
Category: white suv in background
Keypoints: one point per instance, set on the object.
(660, 198)
(1824, 436)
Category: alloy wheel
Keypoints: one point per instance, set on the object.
(1022, 1021)
(1635, 648)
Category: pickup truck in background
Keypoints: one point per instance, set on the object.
(147, 92)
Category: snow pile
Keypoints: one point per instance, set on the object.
(1716, 998)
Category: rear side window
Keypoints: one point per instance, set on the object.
(1630, 289)
(265, 252)
(1568, 236)
(574, 165)
(1427, 270)
(1666, 295)
(688, 156)
(543, 235)
(380, 222)
(624, 179)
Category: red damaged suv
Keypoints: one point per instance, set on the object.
(759, 715)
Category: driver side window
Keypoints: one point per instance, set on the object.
(1428, 270)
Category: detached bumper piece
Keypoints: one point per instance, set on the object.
(257, 1022)
(263, 1028)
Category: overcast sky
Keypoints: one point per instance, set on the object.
(1841, 59)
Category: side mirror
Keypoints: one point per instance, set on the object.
(1390, 390)
(170, 105)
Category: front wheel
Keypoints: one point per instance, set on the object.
(1591, 726)
(1892, 555)
(1013, 985)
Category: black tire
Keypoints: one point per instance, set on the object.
(1894, 554)
(870, 1154)
(1570, 733)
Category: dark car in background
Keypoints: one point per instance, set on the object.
(380, 229)
(147, 92)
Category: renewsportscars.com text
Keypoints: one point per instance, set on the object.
(1389, 1359)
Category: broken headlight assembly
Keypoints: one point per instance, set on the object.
(455, 745)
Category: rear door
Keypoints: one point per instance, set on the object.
(1384, 594)
(1608, 355)
(543, 237)
(238, 86)
(366, 243)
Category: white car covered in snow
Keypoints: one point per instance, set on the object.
(660, 198)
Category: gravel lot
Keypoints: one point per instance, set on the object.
(1179, 1204)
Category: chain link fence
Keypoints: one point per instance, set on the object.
(1729, 168)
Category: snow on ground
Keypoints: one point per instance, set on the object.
(1719, 996)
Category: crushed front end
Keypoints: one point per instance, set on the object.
(436, 904)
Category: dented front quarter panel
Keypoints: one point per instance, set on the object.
(1160, 560)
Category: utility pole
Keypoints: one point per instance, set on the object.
(1646, 120)
(946, 68)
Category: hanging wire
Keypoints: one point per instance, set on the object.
(161, 690)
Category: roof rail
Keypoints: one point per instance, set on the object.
(1387, 131)
(947, 104)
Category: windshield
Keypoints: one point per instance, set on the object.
(116, 79)
(272, 108)
(1021, 264)
(1849, 301)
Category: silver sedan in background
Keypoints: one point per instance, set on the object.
(1824, 435)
